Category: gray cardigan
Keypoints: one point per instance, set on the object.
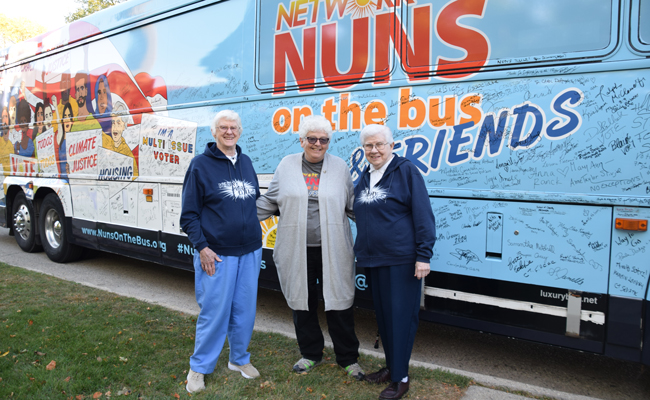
(288, 193)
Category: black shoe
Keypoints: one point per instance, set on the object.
(394, 391)
(381, 376)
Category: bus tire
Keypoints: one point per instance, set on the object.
(25, 224)
(53, 232)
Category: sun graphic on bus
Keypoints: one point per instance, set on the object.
(360, 8)
(269, 232)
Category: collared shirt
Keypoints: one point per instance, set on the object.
(376, 174)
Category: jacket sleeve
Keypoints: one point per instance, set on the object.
(191, 210)
(267, 204)
(423, 220)
(254, 174)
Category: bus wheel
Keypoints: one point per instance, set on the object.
(24, 222)
(53, 232)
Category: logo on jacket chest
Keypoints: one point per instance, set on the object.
(372, 195)
(237, 189)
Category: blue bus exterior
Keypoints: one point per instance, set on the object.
(529, 121)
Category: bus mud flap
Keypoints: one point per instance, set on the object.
(573, 312)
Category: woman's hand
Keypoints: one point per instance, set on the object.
(421, 269)
(208, 257)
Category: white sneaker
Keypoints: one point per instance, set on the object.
(247, 370)
(195, 382)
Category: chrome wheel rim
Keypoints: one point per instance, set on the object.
(53, 229)
(23, 222)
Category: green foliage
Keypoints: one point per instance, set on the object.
(18, 29)
(62, 340)
(87, 7)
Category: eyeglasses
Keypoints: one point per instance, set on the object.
(313, 140)
(226, 128)
(378, 146)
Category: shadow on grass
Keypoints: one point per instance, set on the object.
(62, 340)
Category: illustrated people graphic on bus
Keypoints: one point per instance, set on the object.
(25, 145)
(39, 116)
(103, 103)
(65, 86)
(66, 126)
(6, 147)
(12, 111)
(13, 134)
(4, 126)
(85, 118)
(115, 142)
(48, 115)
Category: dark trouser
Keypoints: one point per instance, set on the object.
(340, 322)
(396, 296)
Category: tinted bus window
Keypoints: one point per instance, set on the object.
(511, 32)
(644, 21)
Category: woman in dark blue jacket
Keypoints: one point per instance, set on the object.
(396, 232)
(219, 216)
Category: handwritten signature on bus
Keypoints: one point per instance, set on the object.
(466, 255)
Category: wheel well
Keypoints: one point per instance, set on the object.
(12, 191)
(40, 194)
(38, 198)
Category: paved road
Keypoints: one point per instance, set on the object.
(491, 360)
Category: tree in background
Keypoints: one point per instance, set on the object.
(87, 7)
(17, 29)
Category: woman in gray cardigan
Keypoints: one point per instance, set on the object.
(314, 195)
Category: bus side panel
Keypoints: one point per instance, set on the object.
(363, 293)
(552, 245)
(155, 246)
(645, 357)
(178, 251)
(630, 273)
(84, 233)
(624, 328)
(268, 271)
(528, 306)
(513, 331)
(127, 240)
(628, 283)
(518, 263)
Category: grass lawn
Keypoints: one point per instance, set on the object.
(62, 340)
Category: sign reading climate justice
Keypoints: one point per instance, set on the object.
(82, 149)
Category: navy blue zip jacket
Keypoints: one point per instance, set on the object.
(395, 222)
(219, 208)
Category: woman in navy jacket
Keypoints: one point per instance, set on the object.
(396, 232)
(219, 216)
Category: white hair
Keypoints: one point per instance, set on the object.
(376, 129)
(229, 115)
(315, 123)
(121, 111)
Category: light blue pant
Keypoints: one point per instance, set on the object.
(228, 301)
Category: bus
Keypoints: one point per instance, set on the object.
(528, 119)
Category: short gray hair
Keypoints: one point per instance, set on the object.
(376, 129)
(229, 115)
(315, 123)
(121, 111)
